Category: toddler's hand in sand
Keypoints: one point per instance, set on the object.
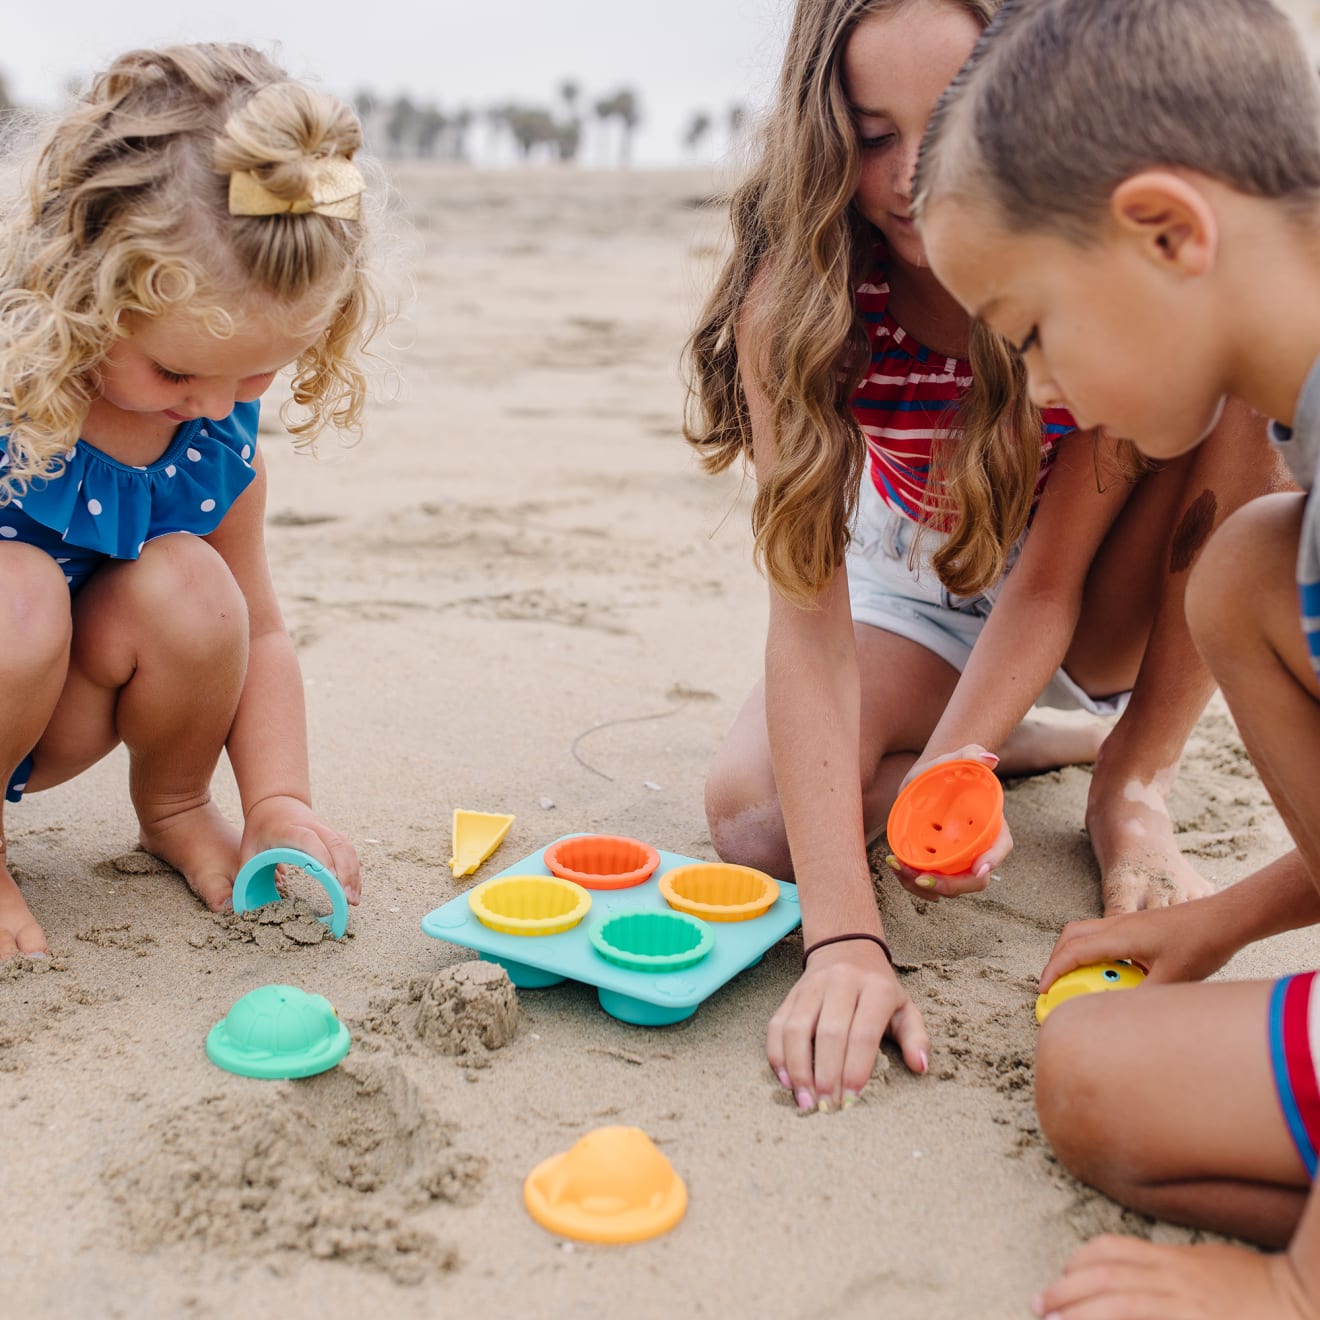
(287, 822)
(1183, 943)
(1118, 1277)
(823, 1041)
(932, 885)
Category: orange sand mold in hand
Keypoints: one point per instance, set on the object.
(613, 1185)
(946, 817)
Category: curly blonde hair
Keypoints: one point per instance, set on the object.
(126, 213)
(798, 235)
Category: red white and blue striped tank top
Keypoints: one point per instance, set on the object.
(909, 398)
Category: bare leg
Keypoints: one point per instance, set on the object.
(1134, 1095)
(905, 688)
(35, 625)
(159, 658)
(1245, 616)
(1204, 1151)
(1133, 635)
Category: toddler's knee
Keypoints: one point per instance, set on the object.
(745, 831)
(35, 617)
(187, 592)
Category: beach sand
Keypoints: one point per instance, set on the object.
(520, 594)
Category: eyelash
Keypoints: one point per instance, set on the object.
(872, 143)
(1030, 342)
(172, 376)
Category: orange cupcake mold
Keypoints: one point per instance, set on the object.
(946, 817)
(602, 861)
(719, 891)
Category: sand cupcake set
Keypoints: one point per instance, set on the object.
(654, 932)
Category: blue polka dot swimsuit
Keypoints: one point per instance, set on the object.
(98, 509)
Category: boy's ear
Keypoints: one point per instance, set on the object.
(1170, 218)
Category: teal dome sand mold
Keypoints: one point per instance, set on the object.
(278, 1031)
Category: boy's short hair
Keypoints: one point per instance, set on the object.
(1064, 99)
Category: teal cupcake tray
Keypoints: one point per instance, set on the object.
(633, 986)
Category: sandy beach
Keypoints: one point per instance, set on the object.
(519, 593)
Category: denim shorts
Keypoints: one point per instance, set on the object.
(891, 589)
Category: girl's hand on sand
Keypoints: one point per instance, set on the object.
(823, 1041)
(287, 822)
(1113, 1278)
(931, 885)
(1183, 943)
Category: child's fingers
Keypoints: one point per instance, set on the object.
(346, 867)
(1079, 943)
(789, 1042)
(834, 1026)
(909, 1030)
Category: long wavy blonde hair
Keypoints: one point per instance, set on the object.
(126, 213)
(797, 233)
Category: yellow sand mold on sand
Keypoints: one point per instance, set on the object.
(476, 835)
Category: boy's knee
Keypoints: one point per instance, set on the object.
(1253, 554)
(1070, 1082)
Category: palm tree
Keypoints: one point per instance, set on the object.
(698, 126)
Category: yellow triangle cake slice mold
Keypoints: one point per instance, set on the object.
(476, 835)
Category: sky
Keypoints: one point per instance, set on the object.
(679, 55)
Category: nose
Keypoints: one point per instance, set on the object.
(1042, 390)
(907, 172)
(213, 398)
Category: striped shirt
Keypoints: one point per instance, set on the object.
(909, 399)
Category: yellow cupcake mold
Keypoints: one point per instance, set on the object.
(529, 904)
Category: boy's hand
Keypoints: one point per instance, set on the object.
(288, 822)
(823, 1041)
(1120, 1276)
(1183, 943)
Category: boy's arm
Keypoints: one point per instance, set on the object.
(1191, 941)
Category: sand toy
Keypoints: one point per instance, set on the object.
(476, 835)
(278, 1031)
(1088, 980)
(719, 891)
(946, 817)
(613, 1185)
(529, 905)
(254, 885)
(645, 957)
(602, 861)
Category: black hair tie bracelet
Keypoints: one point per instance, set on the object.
(839, 939)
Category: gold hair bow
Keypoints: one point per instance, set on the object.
(336, 190)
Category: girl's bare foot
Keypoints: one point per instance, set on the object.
(1141, 865)
(1036, 746)
(19, 932)
(202, 846)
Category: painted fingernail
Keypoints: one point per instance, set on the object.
(825, 1106)
(850, 1098)
(40, 953)
(804, 1100)
(784, 1080)
(925, 1060)
(891, 862)
(983, 870)
(926, 881)
(989, 758)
